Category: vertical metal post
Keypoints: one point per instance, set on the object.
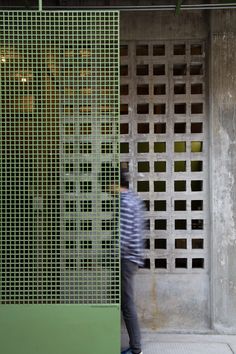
(40, 5)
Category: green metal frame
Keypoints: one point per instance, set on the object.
(59, 246)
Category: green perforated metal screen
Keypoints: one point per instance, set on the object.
(59, 130)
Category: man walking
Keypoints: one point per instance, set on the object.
(131, 246)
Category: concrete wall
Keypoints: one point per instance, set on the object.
(182, 302)
(170, 302)
(223, 174)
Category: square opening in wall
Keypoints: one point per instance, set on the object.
(123, 50)
(143, 128)
(179, 146)
(180, 205)
(159, 89)
(197, 224)
(159, 205)
(159, 128)
(124, 128)
(158, 50)
(124, 148)
(143, 108)
(141, 49)
(159, 69)
(160, 147)
(142, 70)
(179, 49)
(180, 89)
(160, 263)
(143, 166)
(146, 263)
(159, 186)
(181, 263)
(160, 224)
(196, 205)
(196, 69)
(143, 89)
(198, 263)
(124, 70)
(124, 90)
(180, 108)
(159, 166)
(197, 186)
(196, 89)
(196, 128)
(196, 49)
(197, 243)
(180, 166)
(196, 108)
(143, 147)
(159, 108)
(180, 186)
(160, 243)
(180, 243)
(180, 128)
(124, 109)
(196, 146)
(180, 224)
(143, 186)
(179, 69)
(196, 166)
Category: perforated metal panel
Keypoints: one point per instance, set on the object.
(164, 127)
(59, 127)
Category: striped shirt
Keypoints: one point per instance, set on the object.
(131, 227)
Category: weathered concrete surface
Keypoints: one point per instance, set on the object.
(163, 25)
(223, 170)
(173, 302)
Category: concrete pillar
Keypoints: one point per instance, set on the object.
(223, 169)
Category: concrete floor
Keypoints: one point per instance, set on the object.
(155, 343)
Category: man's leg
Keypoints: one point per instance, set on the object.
(128, 269)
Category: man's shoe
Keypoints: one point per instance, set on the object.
(128, 351)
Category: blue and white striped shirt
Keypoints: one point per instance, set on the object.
(131, 227)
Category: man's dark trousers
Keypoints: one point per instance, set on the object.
(128, 308)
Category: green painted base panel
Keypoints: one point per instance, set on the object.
(59, 329)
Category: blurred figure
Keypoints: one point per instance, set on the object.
(131, 248)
